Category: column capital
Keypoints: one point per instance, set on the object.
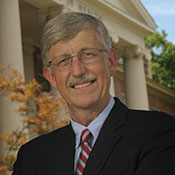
(136, 51)
(147, 54)
(114, 37)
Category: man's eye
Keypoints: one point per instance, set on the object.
(61, 61)
(89, 54)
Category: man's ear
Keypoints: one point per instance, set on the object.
(49, 75)
(113, 61)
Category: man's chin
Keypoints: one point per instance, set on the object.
(84, 103)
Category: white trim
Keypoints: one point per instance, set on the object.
(118, 11)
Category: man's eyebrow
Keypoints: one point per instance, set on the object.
(66, 54)
(62, 55)
(85, 48)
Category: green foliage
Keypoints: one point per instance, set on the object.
(163, 59)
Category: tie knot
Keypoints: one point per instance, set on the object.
(85, 135)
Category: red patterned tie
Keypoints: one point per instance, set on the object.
(85, 151)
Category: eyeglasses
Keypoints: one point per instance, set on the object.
(87, 56)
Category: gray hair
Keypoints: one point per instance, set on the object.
(66, 26)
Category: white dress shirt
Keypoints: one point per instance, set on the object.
(94, 127)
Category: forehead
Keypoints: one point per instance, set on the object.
(86, 38)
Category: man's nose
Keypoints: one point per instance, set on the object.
(77, 68)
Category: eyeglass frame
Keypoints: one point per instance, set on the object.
(76, 55)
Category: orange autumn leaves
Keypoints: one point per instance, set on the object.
(39, 112)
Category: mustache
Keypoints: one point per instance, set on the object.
(83, 78)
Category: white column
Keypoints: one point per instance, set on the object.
(10, 54)
(112, 87)
(134, 76)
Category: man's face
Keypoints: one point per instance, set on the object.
(77, 91)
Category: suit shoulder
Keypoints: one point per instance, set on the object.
(150, 114)
(46, 138)
(143, 119)
(150, 119)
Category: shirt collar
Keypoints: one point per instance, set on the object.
(95, 126)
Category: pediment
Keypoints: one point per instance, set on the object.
(132, 9)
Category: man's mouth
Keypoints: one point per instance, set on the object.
(82, 85)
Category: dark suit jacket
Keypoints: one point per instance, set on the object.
(131, 142)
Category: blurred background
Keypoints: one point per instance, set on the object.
(142, 32)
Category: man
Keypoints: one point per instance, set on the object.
(104, 137)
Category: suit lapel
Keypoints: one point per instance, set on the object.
(108, 138)
(61, 157)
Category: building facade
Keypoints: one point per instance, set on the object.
(128, 23)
